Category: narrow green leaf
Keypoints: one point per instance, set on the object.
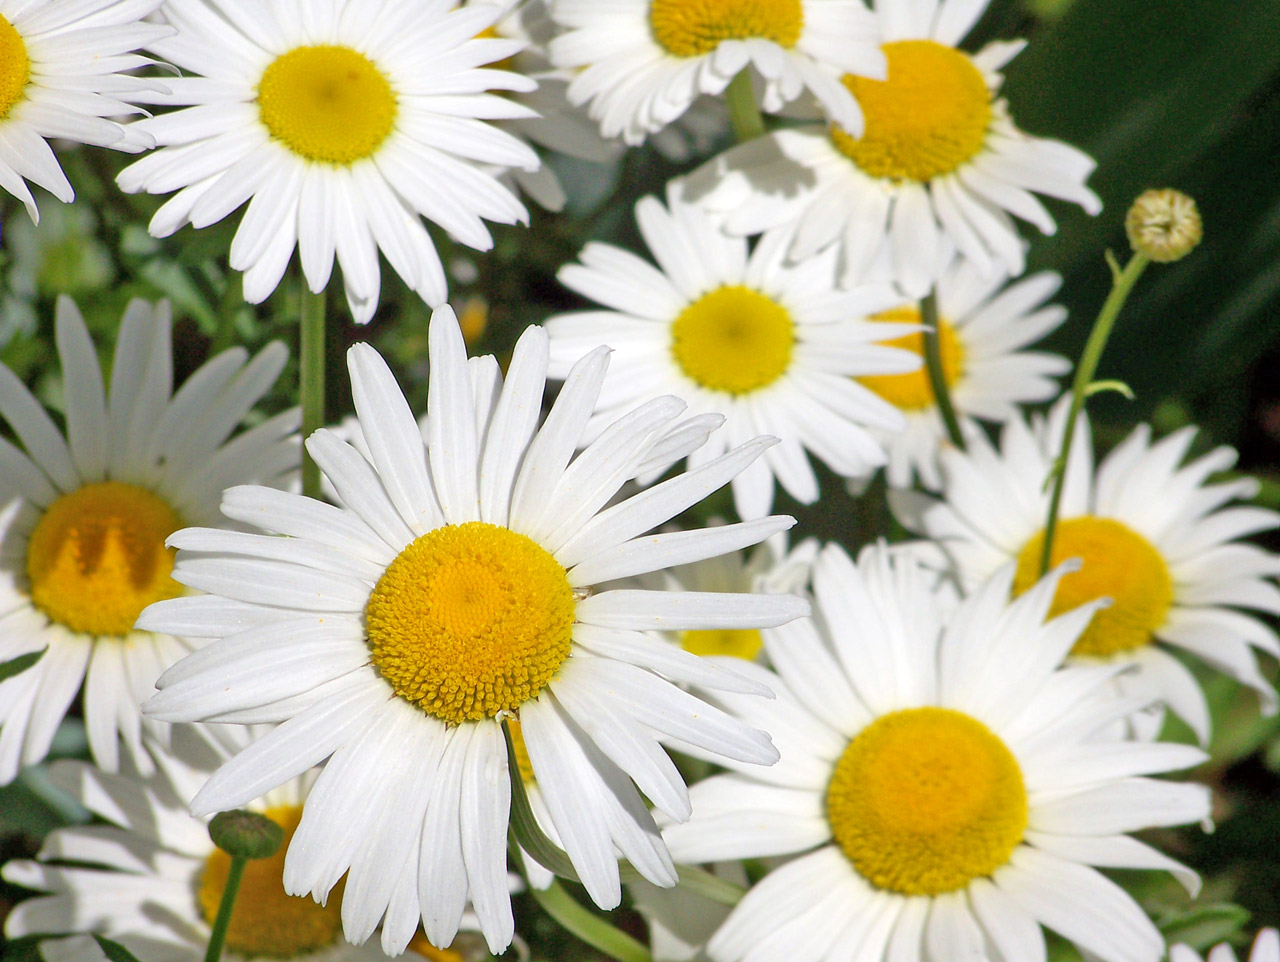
(1101, 387)
(20, 664)
(1205, 926)
(114, 950)
(713, 887)
(587, 926)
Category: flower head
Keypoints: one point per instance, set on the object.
(1164, 224)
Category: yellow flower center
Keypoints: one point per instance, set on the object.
(733, 339)
(912, 391)
(470, 620)
(691, 28)
(1119, 564)
(926, 119)
(742, 643)
(266, 920)
(15, 67)
(327, 103)
(925, 800)
(97, 557)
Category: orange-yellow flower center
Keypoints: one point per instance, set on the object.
(470, 620)
(1119, 564)
(15, 67)
(268, 922)
(423, 947)
(742, 643)
(733, 339)
(97, 557)
(327, 103)
(929, 116)
(691, 28)
(912, 391)
(925, 800)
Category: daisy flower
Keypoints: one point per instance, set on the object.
(983, 324)
(1155, 538)
(640, 64)
(342, 125)
(85, 517)
(941, 793)
(63, 72)
(773, 346)
(455, 588)
(152, 879)
(1266, 948)
(940, 157)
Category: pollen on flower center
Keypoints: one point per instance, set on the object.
(912, 391)
(97, 557)
(742, 643)
(15, 67)
(925, 800)
(926, 119)
(470, 620)
(268, 922)
(733, 339)
(1119, 564)
(327, 103)
(691, 28)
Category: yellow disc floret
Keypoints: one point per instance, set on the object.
(1119, 564)
(15, 67)
(926, 119)
(470, 620)
(266, 921)
(97, 557)
(691, 28)
(742, 643)
(912, 391)
(733, 339)
(925, 800)
(327, 103)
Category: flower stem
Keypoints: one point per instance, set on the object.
(588, 926)
(1122, 282)
(222, 921)
(311, 376)
(933, 366)
(744, 115)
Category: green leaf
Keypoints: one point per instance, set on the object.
(20, 664)
(1100, 387)
(1205, 926)
(114, 950)
(587, 926)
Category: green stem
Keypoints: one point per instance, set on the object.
(311, 377)
(223, 919)
(933, 366)
(1122, 282)
(588, 926)
(744, 115)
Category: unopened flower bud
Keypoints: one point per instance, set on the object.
(245, 834)
(1164, 224)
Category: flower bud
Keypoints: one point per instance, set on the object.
(245, 834)
(1164, 224)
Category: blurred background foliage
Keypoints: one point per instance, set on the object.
(1180, 93)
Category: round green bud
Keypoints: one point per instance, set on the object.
(245, 834)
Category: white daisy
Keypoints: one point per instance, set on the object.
(553, 122)
(941, 793)
(774, 347)
(85, 518)
(642, 63)
(940, 158)
(63, 72)
(1266, 948)
(152, 879)
(1154, 536)
(453, 589)
(983, 324)
(342, 125)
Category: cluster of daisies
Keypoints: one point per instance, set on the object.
(491, 649)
